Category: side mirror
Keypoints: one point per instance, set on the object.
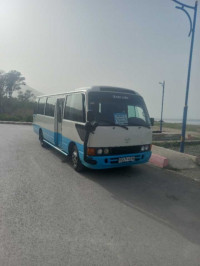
(152, 121)
(90, 116)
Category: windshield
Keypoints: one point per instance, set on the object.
(118, 109)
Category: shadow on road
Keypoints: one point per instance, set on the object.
(162, 195)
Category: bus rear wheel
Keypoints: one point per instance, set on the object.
(77, 165)
(41, 139)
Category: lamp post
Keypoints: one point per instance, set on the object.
(192, 31)
(163, 91)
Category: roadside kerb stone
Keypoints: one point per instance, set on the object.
(198, 160)
(176, 160)
(159, 160)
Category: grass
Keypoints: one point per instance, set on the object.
(194, 128)
(17, 118)
(192, 148)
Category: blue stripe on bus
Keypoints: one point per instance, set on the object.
(47, 134)
(36, 128)
(54, 137)
(103, 162)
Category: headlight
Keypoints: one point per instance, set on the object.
(99, 151)
(143, 148)
(146, 147)
(106, 151)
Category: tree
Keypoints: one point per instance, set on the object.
(2, 83)
(26, 96)
(14, 80)
(2, 88)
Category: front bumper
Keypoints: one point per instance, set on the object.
(104, 162)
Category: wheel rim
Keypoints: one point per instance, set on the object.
(75, 158)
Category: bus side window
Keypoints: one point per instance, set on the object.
(67, 107)
(41, 105)
(74, 108)
(35, 110)
(60, 106)
(50, 106)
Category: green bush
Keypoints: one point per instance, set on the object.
(29, 118)
(14, 110)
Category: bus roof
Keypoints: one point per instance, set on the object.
(97, 89)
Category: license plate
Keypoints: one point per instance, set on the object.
(126, 159)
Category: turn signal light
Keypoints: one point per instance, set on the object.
(91, 151)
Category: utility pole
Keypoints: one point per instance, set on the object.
(163, 91)
(183, 7)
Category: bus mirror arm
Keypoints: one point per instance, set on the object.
(86, 159)
(91, 126)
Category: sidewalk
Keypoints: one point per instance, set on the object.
(184, 163)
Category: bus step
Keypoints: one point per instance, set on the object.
(56, 148)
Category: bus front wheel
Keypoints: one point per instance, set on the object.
(77, 165)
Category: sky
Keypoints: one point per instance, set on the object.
(61, 45)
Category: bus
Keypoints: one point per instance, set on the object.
(98, 127)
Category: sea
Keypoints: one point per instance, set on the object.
(189, 121)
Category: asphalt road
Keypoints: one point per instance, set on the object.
(51, 215)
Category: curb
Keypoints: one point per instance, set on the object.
(197, 160)
(163, 157)
(158, 160)
(16, 123)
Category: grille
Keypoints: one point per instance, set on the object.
(124, 150)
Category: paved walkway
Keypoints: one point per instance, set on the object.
(183, 163)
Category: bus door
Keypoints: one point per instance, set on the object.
(59, 117)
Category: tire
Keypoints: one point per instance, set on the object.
(41, 139)
(77, 165)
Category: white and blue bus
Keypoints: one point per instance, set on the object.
(98, 127)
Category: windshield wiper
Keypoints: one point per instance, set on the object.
(140, 125)
(112, 124)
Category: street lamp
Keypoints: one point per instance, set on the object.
(163, 91)
(192, 31)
